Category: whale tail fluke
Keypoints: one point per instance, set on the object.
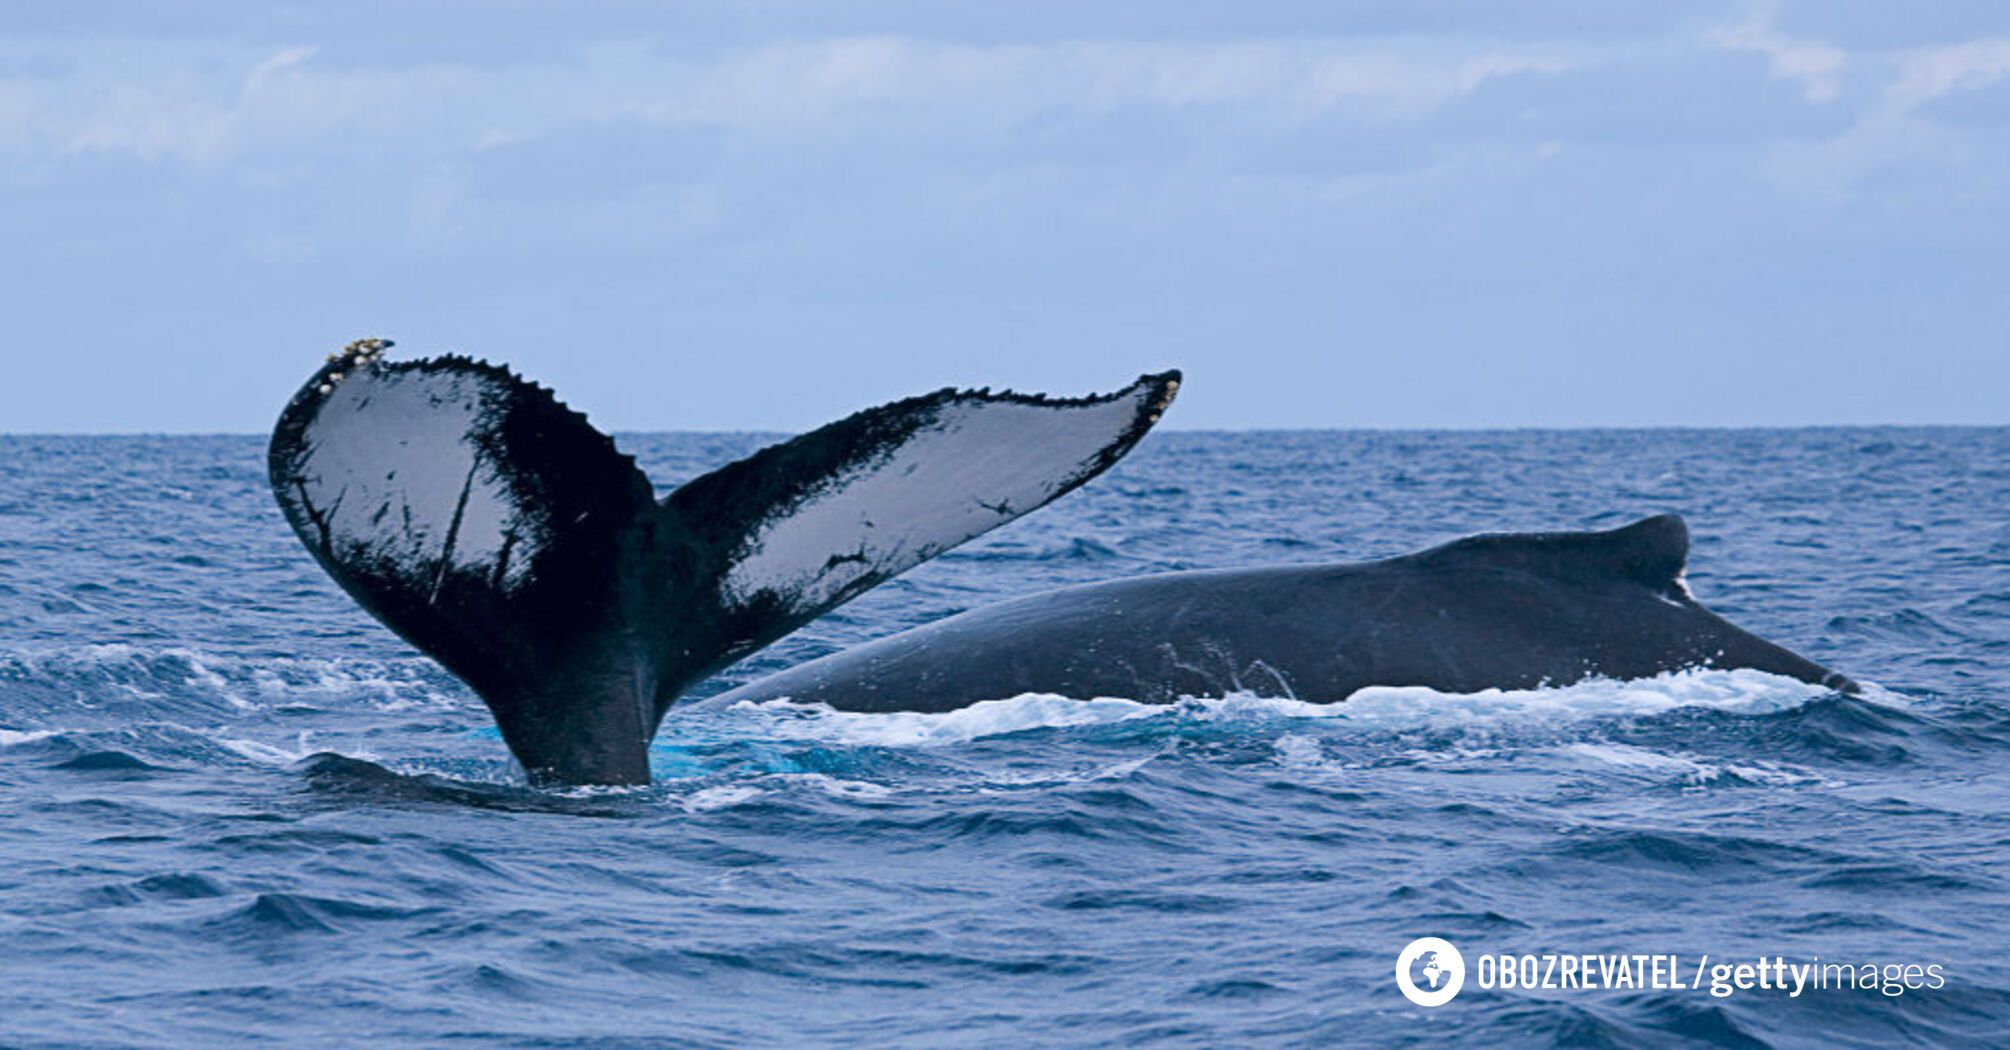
(501, 533)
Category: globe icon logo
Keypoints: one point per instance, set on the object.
(1430, 971)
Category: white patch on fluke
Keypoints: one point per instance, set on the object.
(977, 465)
(392, 467)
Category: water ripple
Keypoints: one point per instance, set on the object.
(235, 810)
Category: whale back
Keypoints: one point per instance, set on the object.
(1651, 552)
(1488, 612)
(501, 533)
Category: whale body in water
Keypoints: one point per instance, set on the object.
(499, 532)
(1485, 612)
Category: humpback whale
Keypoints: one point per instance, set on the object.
(1484, 612)
(498, 531)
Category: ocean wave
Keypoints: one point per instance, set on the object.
(179, 679)
(1694, 770)
(258, 814)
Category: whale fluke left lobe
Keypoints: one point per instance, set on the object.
(485, 523)
(497, 530)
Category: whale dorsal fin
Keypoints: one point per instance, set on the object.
(801, 527)
(1652, 551)
(495, 529)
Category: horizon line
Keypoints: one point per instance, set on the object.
(1454, 429)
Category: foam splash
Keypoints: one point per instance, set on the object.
(1693, 770)
(1740, 691)
(720, 797)
(231, 683)
(726, 796)
(786, 720)
(1380, 707)
(274, 755)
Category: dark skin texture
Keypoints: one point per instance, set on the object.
(1509, 612)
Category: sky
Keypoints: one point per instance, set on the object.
(766, 215)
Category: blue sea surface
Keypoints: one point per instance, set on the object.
(234, 810)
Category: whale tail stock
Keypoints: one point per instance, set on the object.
(500, 532)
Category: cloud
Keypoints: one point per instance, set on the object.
(200, 112)
(1927, 73)
(1815, 65)
(1898, 131)
(206, 109)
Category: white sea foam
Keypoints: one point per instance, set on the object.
(243, 683)
(1298, 751)
(1380, 707)
(832, 785)
(16, 737)
(782, 719)
(1629, 757)
(1694, 770)
(1742, 691)
(201, 674)
(720, 797)
(38, 662)
(1015, 778)
(271, 754)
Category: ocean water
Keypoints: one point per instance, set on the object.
(236, 811)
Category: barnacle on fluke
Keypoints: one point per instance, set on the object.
(359, 354)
